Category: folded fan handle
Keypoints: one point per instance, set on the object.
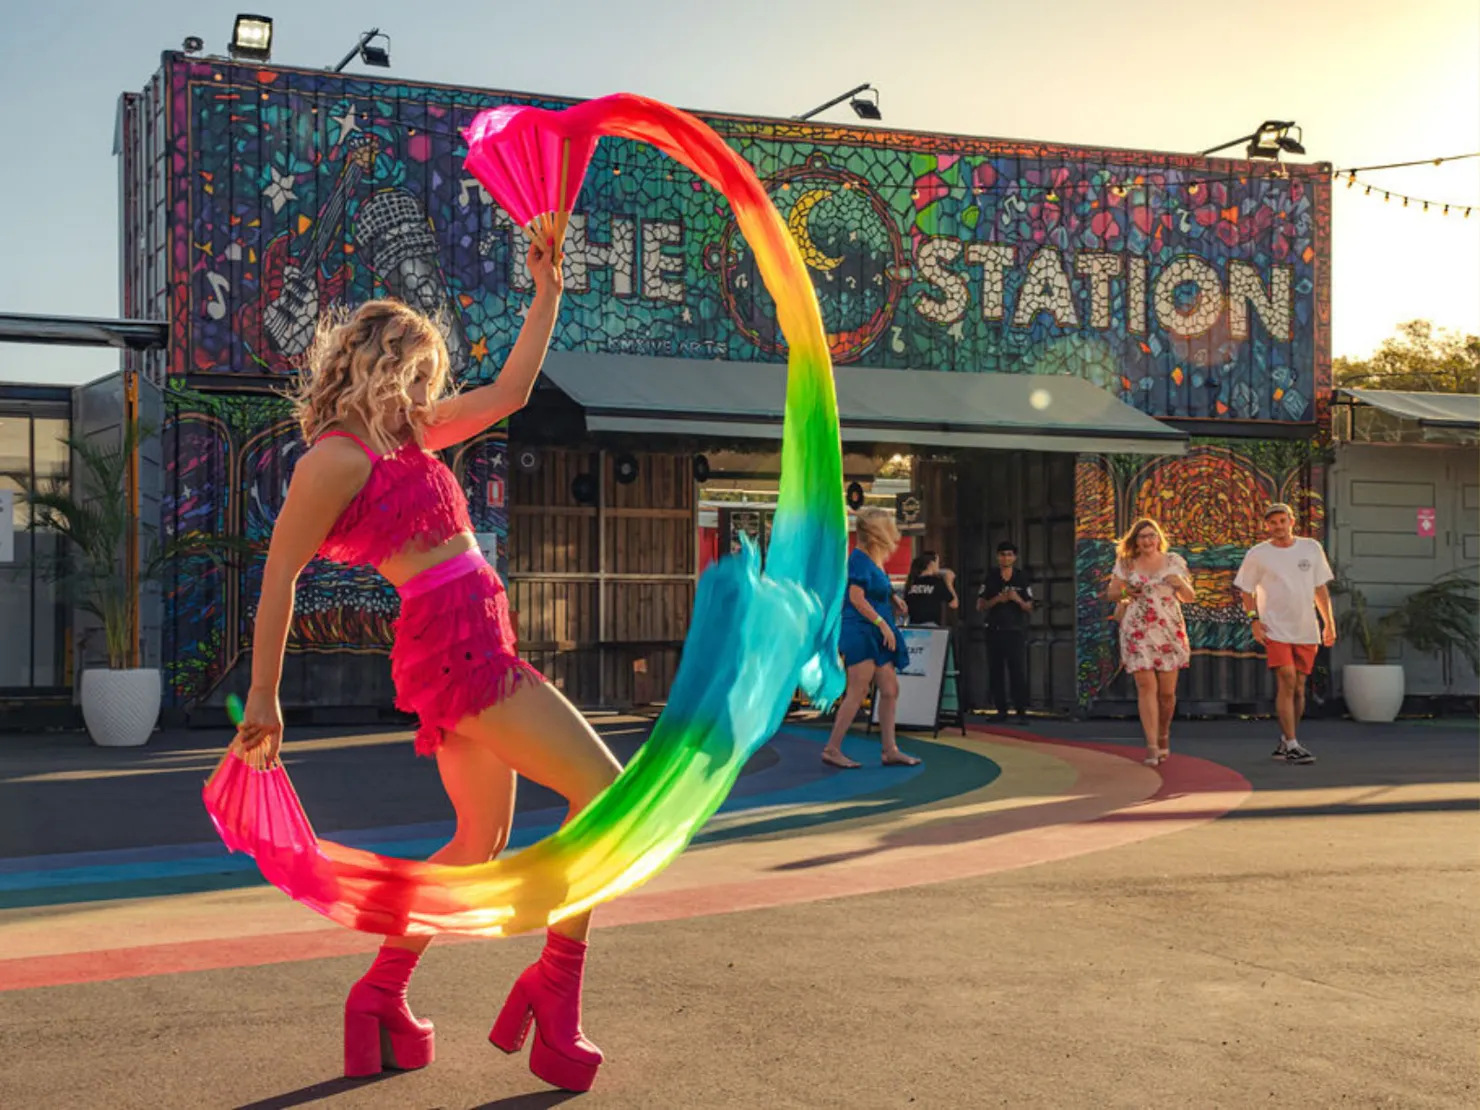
(562, 213)
(550, 227)
(253, 759)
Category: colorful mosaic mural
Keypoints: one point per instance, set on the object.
(1193, 289)
(1210, 503)
(1185, 287)
(228, 458)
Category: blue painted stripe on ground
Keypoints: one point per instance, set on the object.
(796, 778)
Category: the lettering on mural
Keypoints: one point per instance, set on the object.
(1186, 297)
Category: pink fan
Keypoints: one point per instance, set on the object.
(532, 162)
(256, 810)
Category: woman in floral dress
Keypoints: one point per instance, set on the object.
(1153, 637)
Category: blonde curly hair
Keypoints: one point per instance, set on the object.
(877, 530)
(362, 365)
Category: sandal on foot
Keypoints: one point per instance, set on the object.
(899, 759)
(839, 760)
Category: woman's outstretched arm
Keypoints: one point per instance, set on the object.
(464, 416)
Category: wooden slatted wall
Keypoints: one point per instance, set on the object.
(603, 592)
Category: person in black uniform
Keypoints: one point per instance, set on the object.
(929, 591)
(1007, 598)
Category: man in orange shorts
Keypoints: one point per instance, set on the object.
(1283, 585)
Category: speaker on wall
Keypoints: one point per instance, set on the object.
(855, 496)
(583, 489)
(527, 460)
(701, 469)
(625, 469)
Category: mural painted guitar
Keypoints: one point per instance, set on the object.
(279, 325)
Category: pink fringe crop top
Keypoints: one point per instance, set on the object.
(410, 499)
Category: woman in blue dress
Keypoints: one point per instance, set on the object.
(872, 648)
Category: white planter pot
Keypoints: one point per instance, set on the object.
(120, 707)
(1373, 692)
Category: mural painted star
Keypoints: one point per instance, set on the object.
(347, 124)
(280, 190)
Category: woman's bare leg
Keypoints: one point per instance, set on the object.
(888, 694)
(888, 684)
(860, 675)
(1146, 702)
(1166, 707)
(480, 787)
(540, 735)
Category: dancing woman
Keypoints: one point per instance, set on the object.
(1153, 636)
(373, 404)
(873, 650)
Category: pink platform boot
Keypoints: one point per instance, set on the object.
(549, 994)
(379, 1029)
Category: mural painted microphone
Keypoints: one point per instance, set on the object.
(393, 232)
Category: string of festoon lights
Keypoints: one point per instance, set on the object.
(1368, 189)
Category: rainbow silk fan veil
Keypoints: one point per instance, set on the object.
(757, 634)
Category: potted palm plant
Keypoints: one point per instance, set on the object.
(96, 519)
(1440, 617)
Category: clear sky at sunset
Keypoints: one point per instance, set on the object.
(1368, 82)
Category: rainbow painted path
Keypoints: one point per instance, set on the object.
(792, 832)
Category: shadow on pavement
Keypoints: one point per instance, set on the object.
(532, 1101)
(303, 1096)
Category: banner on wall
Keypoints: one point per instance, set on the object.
(922, 683)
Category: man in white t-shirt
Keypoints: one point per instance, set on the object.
(1283, 585)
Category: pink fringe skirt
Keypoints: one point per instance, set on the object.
(454, 654)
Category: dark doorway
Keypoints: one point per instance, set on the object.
(1026, 497)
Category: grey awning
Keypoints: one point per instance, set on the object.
(1430, 410)
(926, 408)
(74, 331)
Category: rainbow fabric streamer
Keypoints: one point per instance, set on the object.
(756, 636)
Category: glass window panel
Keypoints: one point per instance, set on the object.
(48, 617)
(15, 443)
(21, 513)
(15, 616)
(53, 456)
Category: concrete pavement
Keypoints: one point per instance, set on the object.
(1032, 919)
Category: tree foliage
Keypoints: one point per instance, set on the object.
(1419, 359)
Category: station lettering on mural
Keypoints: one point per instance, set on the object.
(1187, 297)
(1015, 285)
